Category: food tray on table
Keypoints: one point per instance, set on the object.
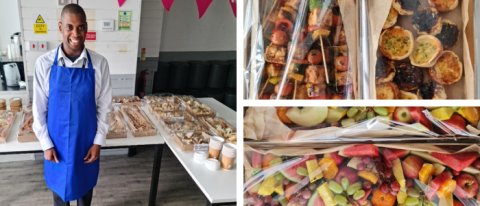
(187, 140)
(124, 100)
(137, 121)
(195, 107)
(301, 49)
(25, 132)
(422, 51)
(219, 127)
(7, 118)
(363, 174)
(160, 98)
(173, 116)
(116, 127)
(183, 126)
(163, 106)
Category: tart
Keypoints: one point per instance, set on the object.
(408, 77)
(407, 95)
(449, 35)
(391, 18)
(384, 70)
(444, 5)
(406, 7)
(427, 21)
(431, 90)
(396, 43)
(426, 51)
(387, 90)
(447, 70)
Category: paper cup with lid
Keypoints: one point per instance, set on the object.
(215, 146)
(229, 153)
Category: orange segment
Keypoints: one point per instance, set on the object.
(329, 168)
(426, 172)
(447, 188)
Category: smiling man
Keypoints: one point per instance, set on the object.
(72, 96)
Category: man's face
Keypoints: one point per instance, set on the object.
(74, 30)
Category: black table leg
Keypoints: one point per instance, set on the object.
(157, 161)
(132, 151)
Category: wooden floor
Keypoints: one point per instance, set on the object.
(123, 181)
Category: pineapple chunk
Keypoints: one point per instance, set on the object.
(326, 194)
(268, 186)
(279, 190)
(398, 172)
(329, 168)
(443, 113)
(401, 197)
(368, 176)
(314, 171)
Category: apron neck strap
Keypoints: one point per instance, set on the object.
(90, 66)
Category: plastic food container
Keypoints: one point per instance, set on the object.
(7, 117)
(182, 126)
(3, 103)
(133, 100)
(116, 128)
(25, 133)
(187, 140)
(16, 102)
(173, 116)
(219, 127)
(137, 121)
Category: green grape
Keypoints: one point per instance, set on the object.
(348, 122)
(411, 201)
(279, 177)
(353, 188)
(335, 187)
(283, 201)
(455, 108)
(359, 194)
(412, 192)
(382, 111)
(363, 116)
(352, 112)
(370, 114)
(345, 183)
(349, 204)
(275, 161)
(341, 200)
(302, 171)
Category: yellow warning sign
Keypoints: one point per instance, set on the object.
(40, 19)
(40, 28)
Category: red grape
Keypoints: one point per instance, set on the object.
(366, 160)
(367, 184)
(379, 182)
(388, 173)
(385, 188)
(275, 202)
(252, 199)
(267, 199)
(360, 166)
(395, 186)
(305, 181)
(455, 173)
(409, 183)
(286, 181)
(259, 202)
(335, 124)
(302, 201)
(291, 200)
(377, 159)
(394, 193)
(389, 163)
(306, 194)
(476, 164)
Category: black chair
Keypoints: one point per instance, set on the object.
(232, 74)
(160, 80)
(178, 76)
(198, 75)
(217, 94)
(217, 77)
(231, 99)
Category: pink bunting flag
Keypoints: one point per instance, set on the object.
(167, 4)
(233, 4)
(121, 2)
(202, 6)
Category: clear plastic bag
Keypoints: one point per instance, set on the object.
(116, 127)
(173, 116)
(301, 49)
(186, 140)
(182, 126)
(219, 127)
(362, 175)
(195, 107)
(137, 121)
(25, 132)
(324, 124)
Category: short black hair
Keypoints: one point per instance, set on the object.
(73, 9)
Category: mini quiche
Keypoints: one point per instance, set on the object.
(447, 70)
(426, 52)
(427, 21)
(387, 90)
(406, 7)
(396, 43)
(391, 18)
(408, 77)
(449, 35)
(431, 90)
(407, 95)
(444, 5)
(384, 70)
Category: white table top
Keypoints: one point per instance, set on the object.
(218, 186)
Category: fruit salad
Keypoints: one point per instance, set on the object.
(362, 175)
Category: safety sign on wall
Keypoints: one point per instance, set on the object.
(40, 26)
(124, 20)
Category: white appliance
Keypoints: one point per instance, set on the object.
(12, 74)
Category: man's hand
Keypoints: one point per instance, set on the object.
(93, 154)
(50, 155)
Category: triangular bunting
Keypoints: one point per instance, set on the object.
(167, 4)
(121, 2)
(233, 4)
(202, 6)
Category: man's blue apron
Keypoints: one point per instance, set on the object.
(72, 124)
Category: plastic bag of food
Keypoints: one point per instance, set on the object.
(421, 49)
(366, 174)
(325, 124)
(116, 127)
(219, 127)
(301, 49)
(137, 121)
(25, 133)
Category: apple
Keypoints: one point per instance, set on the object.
(455, 122)
(334, 155)
(467, 186)
(287, 89)
(411, 166)
(253, 187)
(264, 96)
(347, 172)
(402, 115)
(307, 116)
(418, 116)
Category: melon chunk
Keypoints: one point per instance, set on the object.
(360, 150)
(457, 162)
(391, 154)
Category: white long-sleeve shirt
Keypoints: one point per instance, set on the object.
(103, 93)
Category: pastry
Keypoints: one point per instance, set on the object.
(407, 95)
(449, 35)
(343, 78)
(391, 18)
(384, 70)
(406, 7)
(431, 90)
(396, 43)
(408, 77)
(444, 5)
(426, 51)
(447, 70)
(427, 21)
(387, 90)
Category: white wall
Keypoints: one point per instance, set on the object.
(183, 31)
(151, 27)
(9, 20)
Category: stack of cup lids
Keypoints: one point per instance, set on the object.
(3, 104)
(16, 104)
(200, 157)
(212, 164)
